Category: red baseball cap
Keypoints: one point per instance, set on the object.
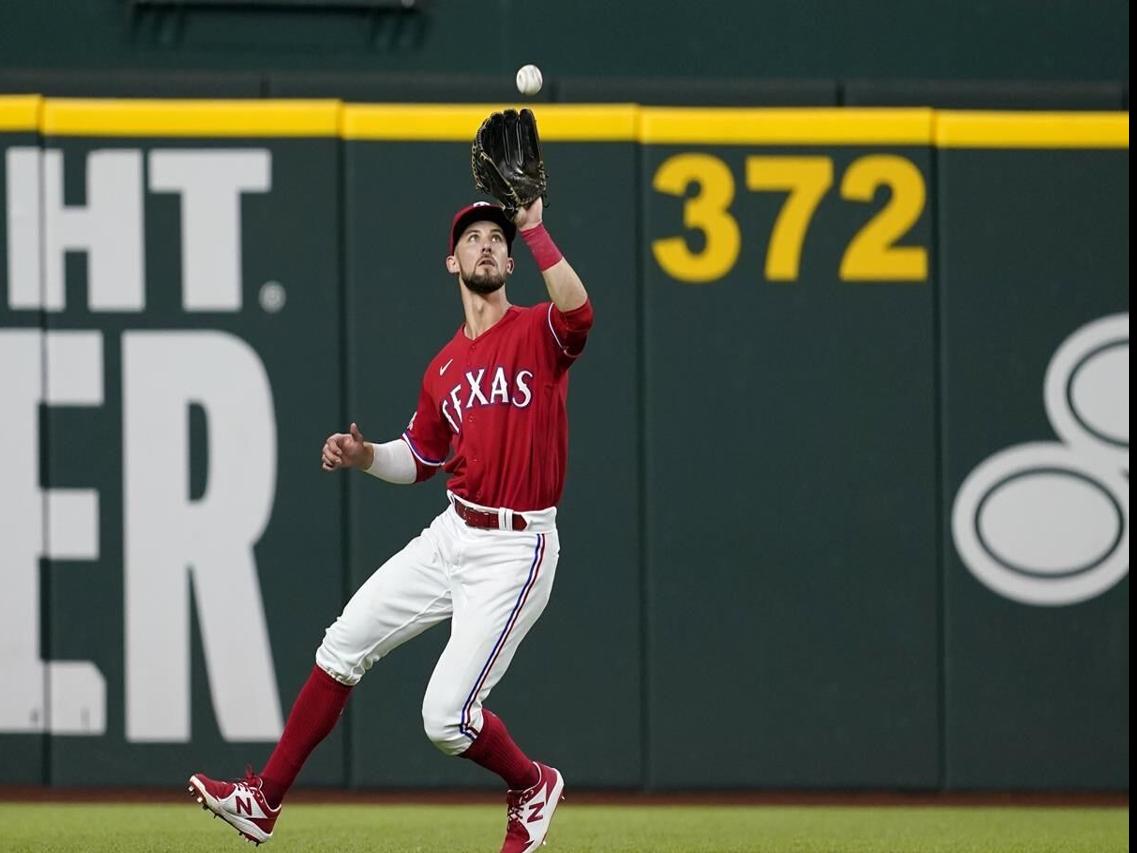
(481, 211)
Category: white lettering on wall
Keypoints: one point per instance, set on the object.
(25, 279)
(174, 547)
(210, 184)
(59, 369)
(174, 544)
(108, 228)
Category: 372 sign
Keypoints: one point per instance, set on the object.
(880, 250)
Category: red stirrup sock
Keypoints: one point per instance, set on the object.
(545, 251)
(495, 750)
(314, 714)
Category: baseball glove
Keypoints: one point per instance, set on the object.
(506, 160)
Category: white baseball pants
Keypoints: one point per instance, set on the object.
(492, 585)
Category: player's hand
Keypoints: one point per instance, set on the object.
(346, 450)
(529, 217)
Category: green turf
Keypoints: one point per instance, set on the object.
(577, 829)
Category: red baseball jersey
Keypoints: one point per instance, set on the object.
(492, 411)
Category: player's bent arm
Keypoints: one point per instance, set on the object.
(566, 290)
(391, 461)
(564, 285)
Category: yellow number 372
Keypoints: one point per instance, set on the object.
(872, 255)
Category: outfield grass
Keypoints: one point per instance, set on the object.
(307, 828)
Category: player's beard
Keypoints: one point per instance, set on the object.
(483, 283)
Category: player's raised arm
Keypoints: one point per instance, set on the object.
(507, 164)
(564, 285)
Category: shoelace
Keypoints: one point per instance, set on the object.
(252, 781)
(513, 809)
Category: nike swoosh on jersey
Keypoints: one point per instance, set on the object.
(443, 368)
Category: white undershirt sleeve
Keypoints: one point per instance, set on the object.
(394, 463)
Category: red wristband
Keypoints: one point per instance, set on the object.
(545, 251)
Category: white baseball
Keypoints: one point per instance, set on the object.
(529, 80)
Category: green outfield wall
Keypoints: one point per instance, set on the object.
(1062, 40)
(847, 503)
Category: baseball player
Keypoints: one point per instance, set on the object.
(491, 413)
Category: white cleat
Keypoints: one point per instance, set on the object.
(241, 804)
(530, 812)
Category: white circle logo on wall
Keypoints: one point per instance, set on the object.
(1047, 523)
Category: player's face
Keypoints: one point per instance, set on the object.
(482, 257)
